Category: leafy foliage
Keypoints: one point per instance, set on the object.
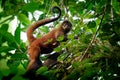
(91, 52)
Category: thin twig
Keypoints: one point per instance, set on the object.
(49, 8)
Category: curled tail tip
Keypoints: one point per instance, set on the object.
(54, 8)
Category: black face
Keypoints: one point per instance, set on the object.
(67, 26)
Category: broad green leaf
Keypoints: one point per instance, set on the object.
(1, 39)
(89, 7)
(71, 36)
(42, 70)
(24, 19)
(18, 77)
(4, 69)
(117, 27)
(74, 75)
(57, 1)
(5, 49)
(17, 34)
(62, 57)
(31, 7)
(4, 27)
(116, 6)
(113, 40)
(58, 49)
(106, 27)
(13, 63)
(91, 24)
(42, 16)
(76, 64)
(8, 36)
(89, 71)
(44, 29)
(18, 56)
(60, 38)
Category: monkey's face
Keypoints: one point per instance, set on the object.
(66, 25)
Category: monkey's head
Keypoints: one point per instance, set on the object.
(66, 26)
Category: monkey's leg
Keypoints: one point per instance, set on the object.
(35, 62)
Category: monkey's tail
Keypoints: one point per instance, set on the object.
(37, 24)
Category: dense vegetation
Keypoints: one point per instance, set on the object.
(93, 55)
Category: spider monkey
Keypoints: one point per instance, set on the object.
(46, 43)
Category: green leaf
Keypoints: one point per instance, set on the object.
(91, 24)
(8, 36)
(42, 70)
(4, 27)
(60, 38)
(106, 27)
(4, 69)
(58, 49)
(76, 64)
(89, 7)
(62, 57)
(44, 29)
(89, 71)
(57, 1)
(116, 6)
(42, 16)
(19, 56)
(116, 27)
(18, 77)
(24, 19)
(31, 7)
(1, 40)
(71, 36)
(5, 49)
(17, 34)
(13, 63)
(74, 75)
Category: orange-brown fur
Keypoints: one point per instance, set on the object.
(45, 44)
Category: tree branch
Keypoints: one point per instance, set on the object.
(94, 37)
